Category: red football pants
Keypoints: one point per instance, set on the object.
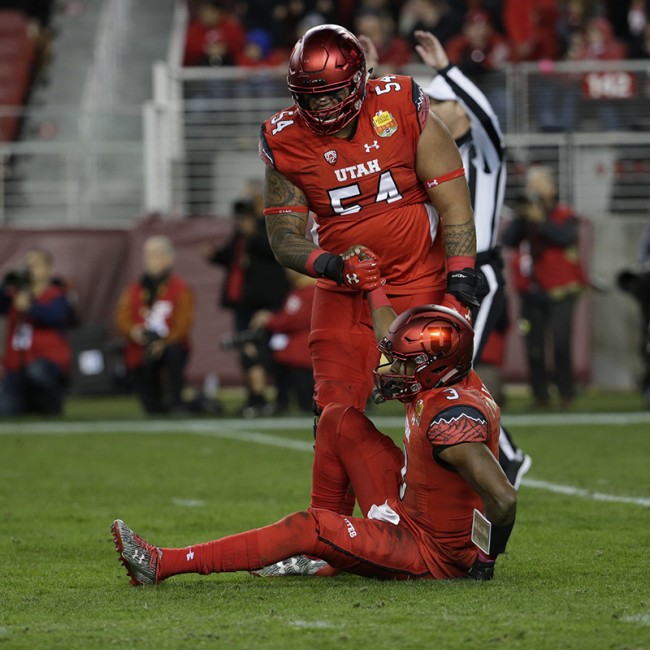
(348, 449)
(343, 346)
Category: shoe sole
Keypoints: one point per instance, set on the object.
(525, 466)
(325, 572)
(119, 546)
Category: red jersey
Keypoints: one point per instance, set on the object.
(41, 332)
(290, 328)
(550, 265)
(365, 190)
(436, 502)
(170, 316)
(228, 32)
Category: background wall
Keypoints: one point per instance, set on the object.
(99, 263)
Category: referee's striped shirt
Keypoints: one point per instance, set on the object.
(483, 153)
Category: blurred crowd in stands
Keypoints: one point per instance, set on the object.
(479, 35)
(25, 39)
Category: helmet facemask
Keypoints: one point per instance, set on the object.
(332, 119)
(392, 385)
(328, 59)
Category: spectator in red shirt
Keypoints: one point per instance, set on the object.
(155, 314)
(479, 48)
(598, 43)
(379, 27)
(549, 277)
(289, 329)
(531, 27)
(37, 351)
(214, 38)
(595, 43)
(478, 52)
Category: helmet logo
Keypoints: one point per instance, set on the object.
(384, 123)
(331, 156)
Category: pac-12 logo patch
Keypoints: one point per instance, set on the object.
(331, 156)
(384, 123)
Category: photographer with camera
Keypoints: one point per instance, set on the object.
(278, 343)
(253, 281)
(37, 351)
(155, 314)
(549, 277)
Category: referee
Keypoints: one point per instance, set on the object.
(473, 123)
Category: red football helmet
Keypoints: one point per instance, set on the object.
(438, 340)
(327, 59)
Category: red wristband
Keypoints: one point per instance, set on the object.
(377, 298)
(309, 264)
(460, 262)
(434, 182)
(286, 209)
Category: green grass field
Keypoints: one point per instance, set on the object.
(576, 575)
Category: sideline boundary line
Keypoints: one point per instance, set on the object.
(197, 425)
(238, 430)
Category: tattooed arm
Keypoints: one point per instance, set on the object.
(436, 156)
(439, 166)
(357, 268)
(287, 231)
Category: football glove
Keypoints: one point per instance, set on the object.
(357, 268)
(482, 569)
(451, 302)
(362, 274)
(462, 289)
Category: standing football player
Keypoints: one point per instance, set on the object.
(441, 508)
(473, 124)
(385, 183)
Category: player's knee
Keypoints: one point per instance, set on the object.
(340, 422)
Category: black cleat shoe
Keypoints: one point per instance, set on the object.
(517, 467)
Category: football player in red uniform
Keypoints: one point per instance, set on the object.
(384, 181)
(441, 508)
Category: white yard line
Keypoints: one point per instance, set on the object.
(240, 430)
(294, 423)
(584, 494)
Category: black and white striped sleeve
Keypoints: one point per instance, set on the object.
(486, 131)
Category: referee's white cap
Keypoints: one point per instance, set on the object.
(440, 90)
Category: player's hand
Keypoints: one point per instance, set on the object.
(361, 269)
(137, 334)
(430, 50)
(369, 49)
(22, 300)
(451, 302)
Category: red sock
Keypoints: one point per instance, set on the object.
(254, 549)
